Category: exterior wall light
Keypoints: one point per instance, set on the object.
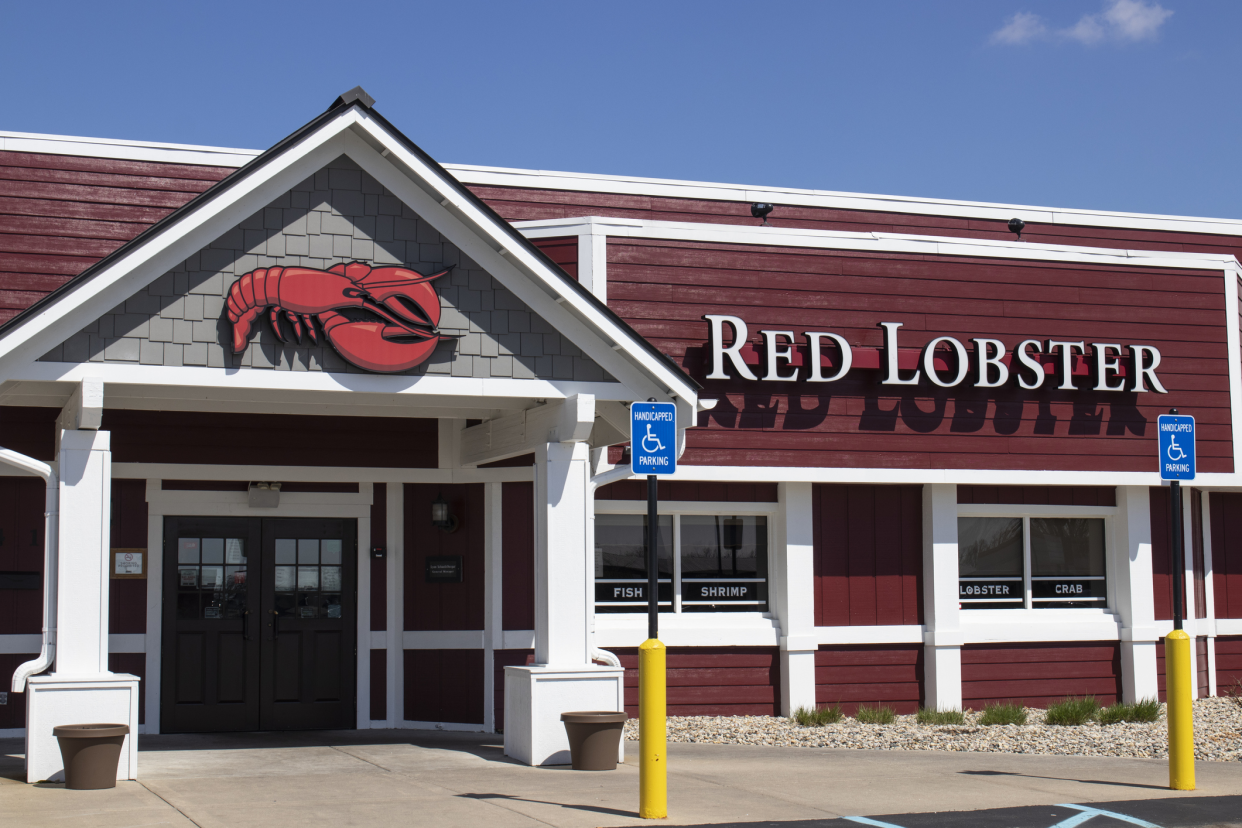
(264, 495)
(441, 516)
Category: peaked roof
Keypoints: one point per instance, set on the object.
(569, 293)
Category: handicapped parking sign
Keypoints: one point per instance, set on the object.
(1177, 446)
(653, 438)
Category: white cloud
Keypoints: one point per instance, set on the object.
(1023, 27)
(1121, 20)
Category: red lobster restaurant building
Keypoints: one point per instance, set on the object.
(333, 436)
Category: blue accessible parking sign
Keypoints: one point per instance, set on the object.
(653, 438)
(1177, 446)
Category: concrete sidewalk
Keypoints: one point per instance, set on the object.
(380, 778)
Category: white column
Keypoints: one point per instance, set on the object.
(395, 622)
(563, 677)
(363, 609)
(1209, 592)
(1191, 623)
(493, 596)
(792, 576)
(1130, 570)
(942, 637)
(155, 609)
(80, 689)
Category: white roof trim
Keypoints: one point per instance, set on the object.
(663, 187)
(355, 133)
(127, 150)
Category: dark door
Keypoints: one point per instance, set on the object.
(259, 624)
(309, 624)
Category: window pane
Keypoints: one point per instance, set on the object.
(308, 578)
(1067, 547)
(330, 551)
(989, 547)
(621, 546)
(285, 578)
(722, 546)
(213, 550)
(286, 551)
(308, 551)
(187, 550)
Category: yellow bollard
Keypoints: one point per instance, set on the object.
(652, 738)
(1180, 713)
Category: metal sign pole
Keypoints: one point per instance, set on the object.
(1179, 566)
(653, 558)
(1177, 463)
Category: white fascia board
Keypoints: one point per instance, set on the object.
(961, 477)
(527, 276)
(895, 634)
(1233, 342)
(672, 188)
(317, 474)
(410, 388)
(884, 242)
(143, 264)
(125, 150)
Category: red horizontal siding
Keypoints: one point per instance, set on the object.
(664, 288)
(378, 701)
(868, 554)
(444, 686)
(1201, 667)
(517, 556)
(22, 501)
(713, 681)
(59, 214)
(379, 566)
(890, 675)
(1038, 674)
(127, 601)
(444, 606)
(1039, 495)
(1228, 665)
(563, 251)
(691, 490)
(1226, 528)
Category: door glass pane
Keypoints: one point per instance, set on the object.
(213, 550)
(330, 551)
(187, 550)
(331, 578)
(285, 579)
(234, 591)
(308, 551)
(212, 577)
(234, 551)
(286, 551)
(187, 577)
(308, 578)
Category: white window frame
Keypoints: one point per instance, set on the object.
(1025, 513)
(677, 508)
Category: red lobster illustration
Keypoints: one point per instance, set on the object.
(405, 302)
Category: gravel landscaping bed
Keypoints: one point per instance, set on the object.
(1218, 734)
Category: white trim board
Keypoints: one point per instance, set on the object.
(318, 474)
(659, 187)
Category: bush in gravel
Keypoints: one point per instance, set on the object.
(808, 717)
(1147, 710)
(1003, 714)
(869, 714)
(1234, 692)
(927, 716)
(1074, 711)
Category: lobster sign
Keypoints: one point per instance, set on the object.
(383, 319)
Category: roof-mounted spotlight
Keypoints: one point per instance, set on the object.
(760, 211)
(1016, 225)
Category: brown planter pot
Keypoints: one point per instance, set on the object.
(594, 738)
(90, 753)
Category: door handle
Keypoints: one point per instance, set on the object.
(246, 625)
(275, 623)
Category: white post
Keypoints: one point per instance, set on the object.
(563, 677)
(1192, 624)
(1130, 569)
(1209, 592)
(942, 636)
(395, 597)
(493, 596)
(80, 689)
(793, 595)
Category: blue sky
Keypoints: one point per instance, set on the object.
(1106, 104)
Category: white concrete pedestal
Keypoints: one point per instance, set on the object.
(535, 698)
(108, 698)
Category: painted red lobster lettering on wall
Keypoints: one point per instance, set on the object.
(407, 307)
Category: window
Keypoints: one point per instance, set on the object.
(721, 565)
(1031, 562)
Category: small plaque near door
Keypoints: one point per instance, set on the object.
(129, 563)
(444, 569)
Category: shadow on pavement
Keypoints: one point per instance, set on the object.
(512, 798)
(1064, 779)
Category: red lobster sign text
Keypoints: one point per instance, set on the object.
(391, 320)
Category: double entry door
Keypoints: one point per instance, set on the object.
(259, 624)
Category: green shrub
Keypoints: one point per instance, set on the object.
(927, 716)
(1147, 710)
(1074, 711)
(808, 717)
(1008, 713)
(877, 714)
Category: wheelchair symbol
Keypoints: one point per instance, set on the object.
(651, 443)
(1173, 447)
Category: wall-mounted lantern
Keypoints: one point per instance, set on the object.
(441, 516)
(264, 495)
